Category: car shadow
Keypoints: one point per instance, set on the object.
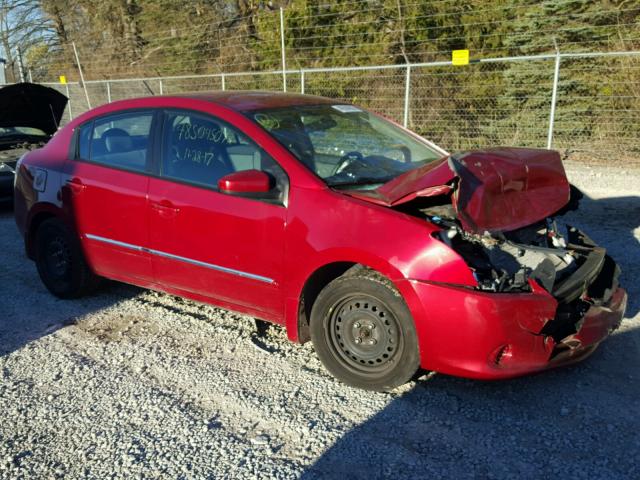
(552, 425)
(28, 311)
(611, 222)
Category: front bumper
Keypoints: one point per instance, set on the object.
(474, 334)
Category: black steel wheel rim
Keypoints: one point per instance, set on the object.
(57, 258)
(364, 335)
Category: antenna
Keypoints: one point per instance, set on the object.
(53, 116)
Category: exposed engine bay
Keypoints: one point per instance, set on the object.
(501, 211)
(558, 257)
(504, 262)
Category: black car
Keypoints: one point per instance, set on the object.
(29, 116)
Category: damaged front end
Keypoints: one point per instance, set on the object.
(500, 210)
(547, 255)
(556, 263)
(562, 260)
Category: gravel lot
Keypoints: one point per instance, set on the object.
(130, 383)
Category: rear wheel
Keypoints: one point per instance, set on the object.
(60, 261)
(363, 332)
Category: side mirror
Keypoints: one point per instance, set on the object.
(246, 181)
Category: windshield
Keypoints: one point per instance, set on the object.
(21, 131)
(345, 145)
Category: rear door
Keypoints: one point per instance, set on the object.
(106, 190)
(226, 248)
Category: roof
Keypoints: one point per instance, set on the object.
(247, 100)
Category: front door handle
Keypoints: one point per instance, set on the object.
(165, 208)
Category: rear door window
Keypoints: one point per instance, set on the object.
(120, 140)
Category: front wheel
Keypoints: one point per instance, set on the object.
(363, 332)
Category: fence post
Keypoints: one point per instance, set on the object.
(161, 86)
(222, 82)
(69, 101)
(302, 81)
(407, 94)
(554, 95)
(284, 58)
(84, 85)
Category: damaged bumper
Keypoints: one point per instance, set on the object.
(598, 322)
(501, 335)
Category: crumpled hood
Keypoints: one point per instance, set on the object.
(31, 105)
(498, 189)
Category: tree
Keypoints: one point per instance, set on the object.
(22, 26)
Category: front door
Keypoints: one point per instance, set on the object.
(226, 248)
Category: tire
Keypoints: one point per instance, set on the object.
(61, 263)
(363, 332)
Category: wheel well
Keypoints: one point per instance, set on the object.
(33, 228)
(312, 288)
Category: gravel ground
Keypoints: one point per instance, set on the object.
(131, 383)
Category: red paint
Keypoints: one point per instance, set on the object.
(459, 336)
(405, 187)
(247, 181)
(219, 229)
(111, 204)
(460, 329)
(245, 101)
(508, 188)
(498, 189)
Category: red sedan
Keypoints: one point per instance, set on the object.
(385, 251)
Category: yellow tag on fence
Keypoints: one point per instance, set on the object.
(63, 79)
(460, 57)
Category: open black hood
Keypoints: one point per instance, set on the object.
(31, 105)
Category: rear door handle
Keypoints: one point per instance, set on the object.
(75, 185)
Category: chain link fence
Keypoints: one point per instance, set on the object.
(598, 108)
(593, 116)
